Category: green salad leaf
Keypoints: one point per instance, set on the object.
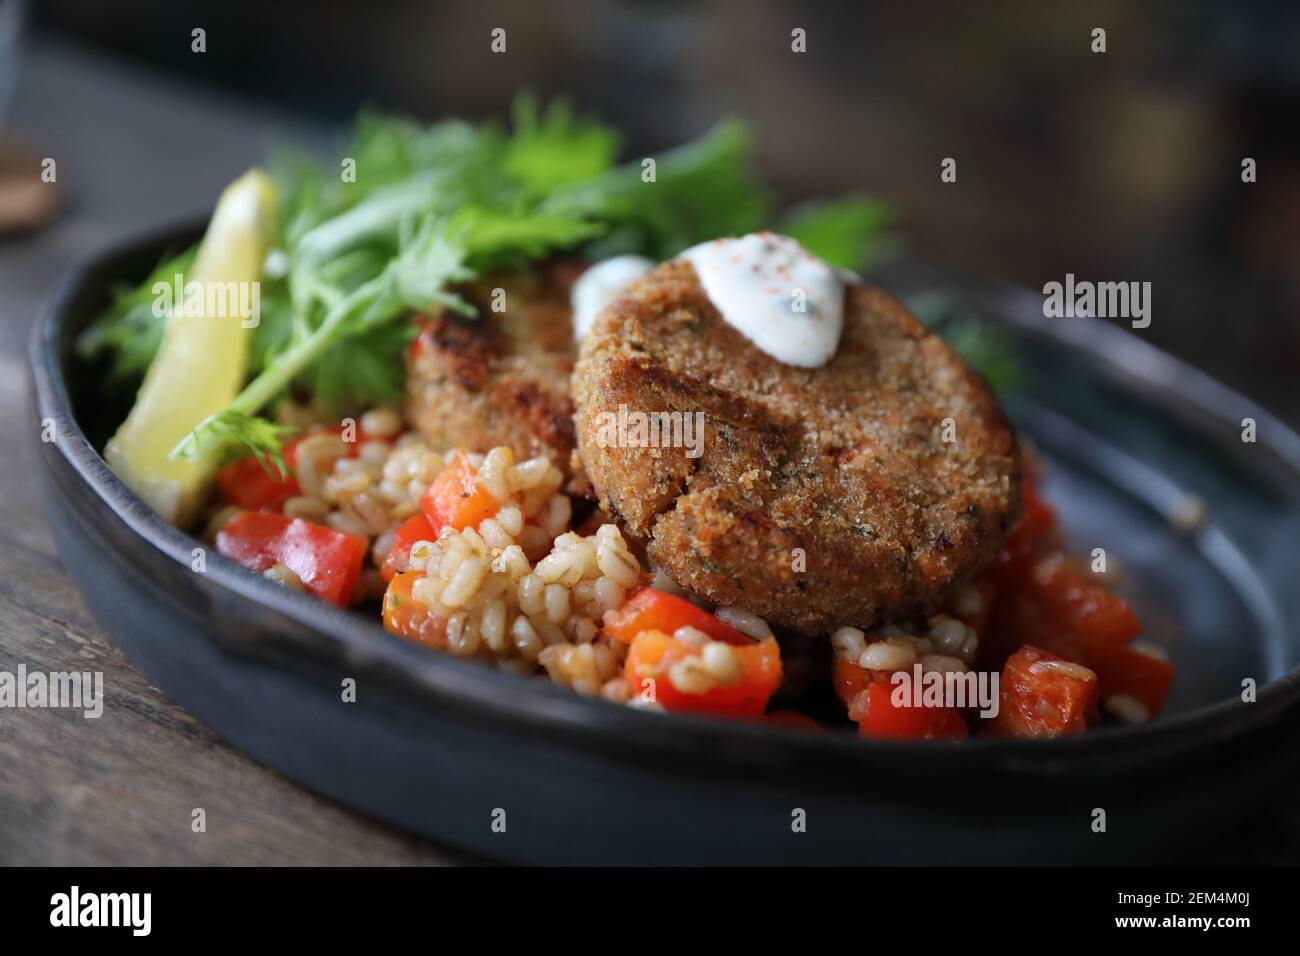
(846, 233)
(128, 333)
(700, 191)
(990, 352)
(414, 210)
(553, 148)
(232, 432)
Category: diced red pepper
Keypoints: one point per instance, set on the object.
(456, 499)
(1018, 619)
(850, 680)
(413, 529)
(878, 715)
(1031, 536)
(651, 610)
(1063, 610)
(653, 653)
(408, 618)
(247, 484)
(1042, 695)
(1123, 671)
(1094, 615)
(327, 562)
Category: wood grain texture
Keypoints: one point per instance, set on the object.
(121, 789)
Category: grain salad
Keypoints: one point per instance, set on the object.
(492, 557)
(521, 589)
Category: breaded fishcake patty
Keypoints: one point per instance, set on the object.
(500, 378)
(820, 497)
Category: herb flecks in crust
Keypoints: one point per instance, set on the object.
(845, 464)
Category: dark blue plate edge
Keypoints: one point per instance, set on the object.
(534, 706)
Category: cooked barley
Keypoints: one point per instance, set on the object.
(891, 654)
(284, 576)
(743, 621)
(849, 644)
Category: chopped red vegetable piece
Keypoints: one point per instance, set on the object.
(1125, 672)
(1093, 615)
(878, 715)
(246, 482)
(653, 654)
(1043, 695)
(651, 610)
(850, 680)
(413, 529)
(327, 562)
(456, 499)
(408, 618)
(1031, 536)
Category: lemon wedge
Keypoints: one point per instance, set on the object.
(201, 362)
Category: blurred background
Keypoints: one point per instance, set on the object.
(1117, 166)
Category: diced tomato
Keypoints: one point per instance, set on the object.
(408, 618)
(1031, 536)
(1042, 695)
(850, 680)
(328, 562)
(1093, 614)
(792, 719)
(878, 715)
(1122, 671)
(653, 653)
(456, 499)
(1043, 601)
(651, 610)
(1018, 619)
(413, 529)
(246, 484)
(1064, 609)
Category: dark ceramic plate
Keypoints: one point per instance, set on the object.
(440, 745)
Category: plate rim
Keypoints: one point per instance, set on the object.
(414, 673)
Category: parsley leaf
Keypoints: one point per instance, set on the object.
(700, 191)
(432, 206)
(844, 232)
(230, 433)
(129, 332)
(553, 148)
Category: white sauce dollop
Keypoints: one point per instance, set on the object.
(776, 293)
(599, 286)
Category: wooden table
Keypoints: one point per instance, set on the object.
(134, 153)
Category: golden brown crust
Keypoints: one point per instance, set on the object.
(842, 467)
(500, 378)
